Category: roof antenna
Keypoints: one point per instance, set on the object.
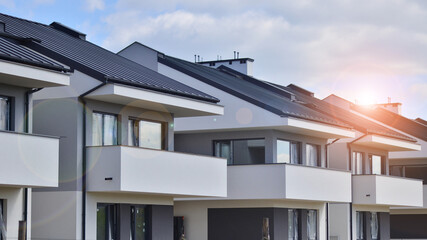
(195, 58)
(237, 54)
(234, 54)
(198, 58)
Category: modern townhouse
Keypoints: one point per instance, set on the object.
(375, 190)
(118, 172)
(405, 223)
(27, 160)
(279, 178)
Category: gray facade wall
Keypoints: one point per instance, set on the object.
(202, 143)
(161, 222)
(138, 53)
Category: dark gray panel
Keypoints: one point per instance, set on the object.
(408, 226)
(239, 223)
(161, 224)
(124, 219)
(280, 223)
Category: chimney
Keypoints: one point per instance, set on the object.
(2, 27)
(392, 107)
(243, 65)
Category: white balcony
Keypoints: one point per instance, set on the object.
(387, 190)
(141, 170)
(28, 160)
(286, 181)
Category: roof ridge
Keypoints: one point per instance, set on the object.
(22, 19)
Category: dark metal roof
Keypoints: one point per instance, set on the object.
(414, 128)
(360, 123)
(94, 60)
(12, 50)
(306, 98)
(224, 78)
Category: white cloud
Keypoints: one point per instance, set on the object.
(92, 5)
(331, 46)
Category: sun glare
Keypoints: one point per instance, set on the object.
(366, 97)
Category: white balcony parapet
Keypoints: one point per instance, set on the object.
(387, 190)
(28, 160)
(287, 181)
(141, 170)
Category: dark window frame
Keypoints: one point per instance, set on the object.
(300, 162)
(11, 117)
(164, 129)
(118, 140)
(232, 146)
(319, 154)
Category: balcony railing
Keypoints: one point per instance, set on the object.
(387, 190)
(141, 170)
(28, 160)
(287, 181)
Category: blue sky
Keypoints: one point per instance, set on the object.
(366, 50)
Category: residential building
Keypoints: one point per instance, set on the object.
(375, 190)
(27, 160)
(279, 180)
(253, 140)
(406, 223)
(118, 172)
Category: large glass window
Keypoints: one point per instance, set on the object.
(419, 172)
(2, 222)
(360, 225)
(376, 164)
(312, 154)
(288, 152)
(293, 224)
(138, 223)
(107, 222)
(104, 129)
(146, 134)
(374, 226)
(357, 163)
(5, 113)
(312, 224)
(247, 151)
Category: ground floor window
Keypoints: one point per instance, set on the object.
(374, 226)
(2, 222)
(360, 225)
(293, 224)
(112, 217)
(312, 224)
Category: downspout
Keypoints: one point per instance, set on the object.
(327, 204)
(351, 204)
(81, 98)
(27, 130)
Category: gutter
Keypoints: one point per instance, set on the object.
(81, 98)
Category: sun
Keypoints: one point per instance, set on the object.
(366, 97)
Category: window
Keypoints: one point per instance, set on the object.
(288, 152)
(416, 171)
(357, 163)
(312, 154)
(377, 165)
(138, 223)
(104, 129)
(107, 222)
(397, 171)
(374, 226)
(5, 113)
(2, 222)
(360, 225)
(247, 151)
(146, 134)
(293, 224)
(312, 224)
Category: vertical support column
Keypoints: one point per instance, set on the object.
(384, 222)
